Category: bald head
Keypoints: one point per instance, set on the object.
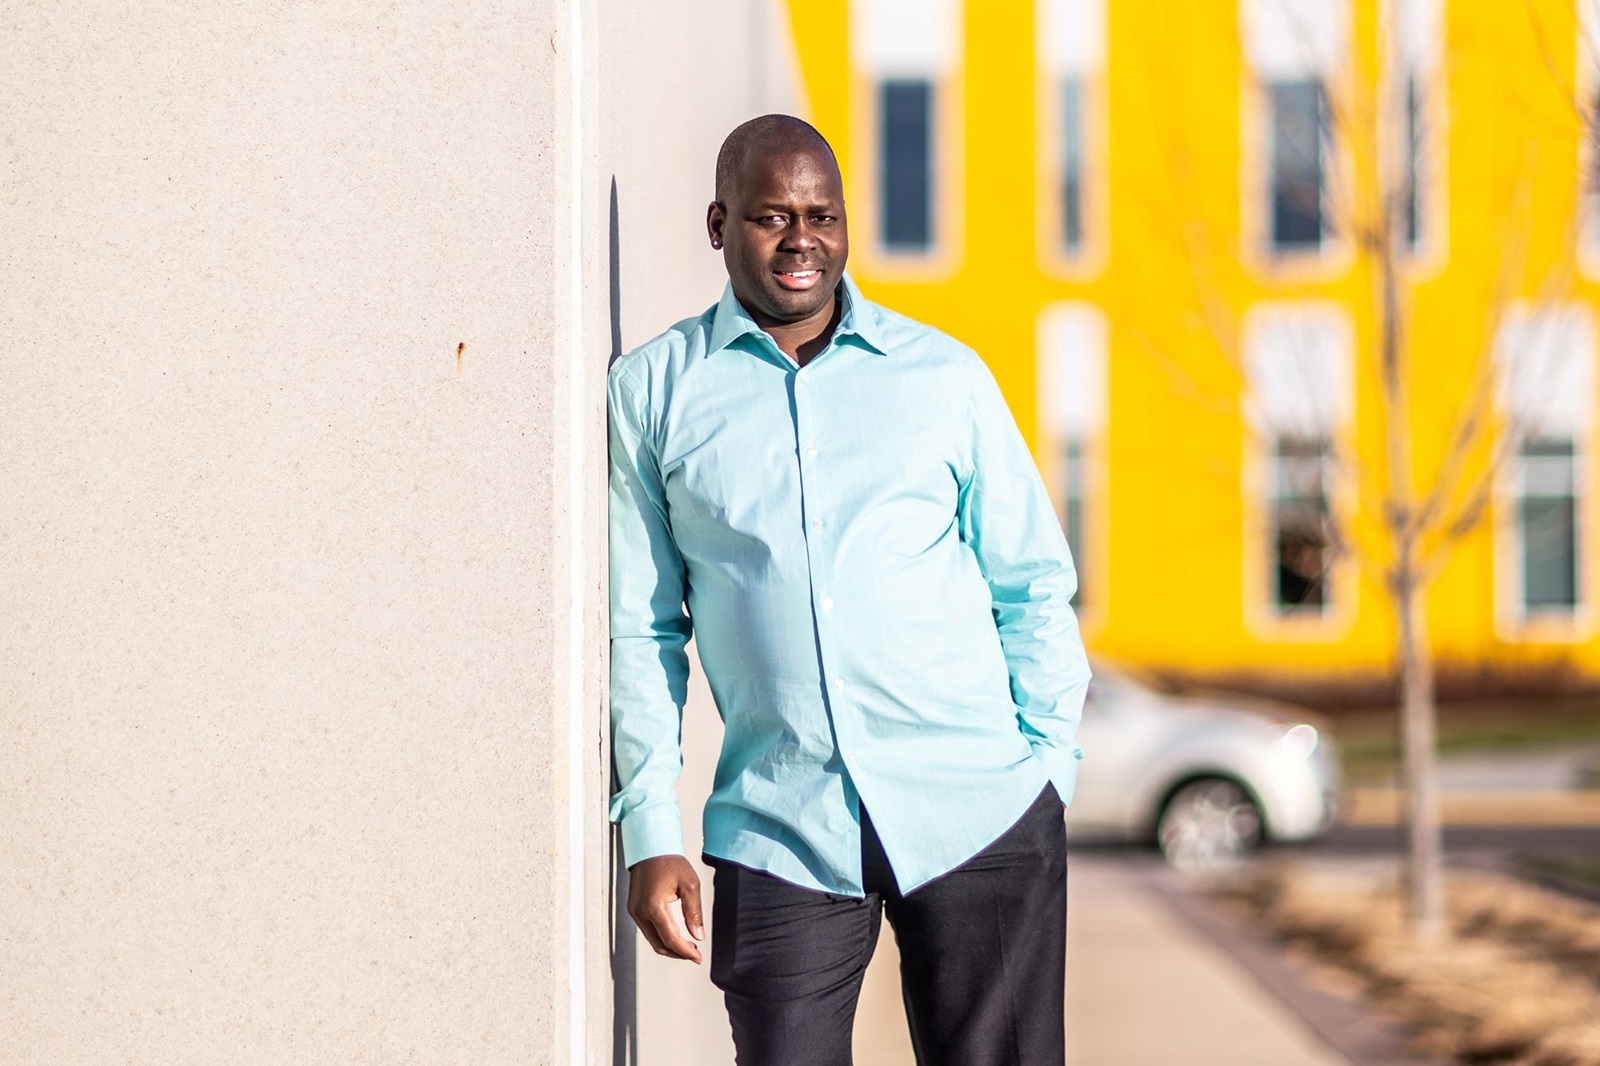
(765, 136)
(779, 221)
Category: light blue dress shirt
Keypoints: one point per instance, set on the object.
(877, 583)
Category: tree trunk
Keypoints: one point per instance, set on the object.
(1424, 837)
(1424, 851)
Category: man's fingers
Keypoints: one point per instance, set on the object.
(677, 945)
(647, 930)
(689, 892)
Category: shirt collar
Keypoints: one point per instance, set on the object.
(860, 319)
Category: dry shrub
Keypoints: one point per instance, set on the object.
(1518, 982)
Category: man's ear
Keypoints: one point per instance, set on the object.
(716, 218)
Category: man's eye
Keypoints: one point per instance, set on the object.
(822, 220)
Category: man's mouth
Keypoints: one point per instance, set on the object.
(798, 280)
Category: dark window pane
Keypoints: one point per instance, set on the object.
(1072, 494)
(1296, 125)
(1591, 177)
(1548, 517)
(1547, 448)
(1301, 522)
(1550, 557)
(906, 194)
(1411, 201)
(1072, 164)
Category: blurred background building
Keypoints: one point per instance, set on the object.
(1163, 226)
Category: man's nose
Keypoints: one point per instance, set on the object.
(799, 236)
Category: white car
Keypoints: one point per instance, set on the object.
(1209, 779)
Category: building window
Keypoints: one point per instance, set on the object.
(1072, 165)
(1301, 523)
(1589, 154)
(1586, 89)
(1070, 37)
(1546, 360)
(1418, 195)
(905, 110)
(1297, 119)
(1298, 361)
(1072, 418)
(1295, 51)
(906, 57)
(1547, 521)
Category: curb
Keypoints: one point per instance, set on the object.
(1344, 1027)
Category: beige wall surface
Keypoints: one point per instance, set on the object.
(299, 532)
(306, 309)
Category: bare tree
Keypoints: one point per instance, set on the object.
(1369, 158)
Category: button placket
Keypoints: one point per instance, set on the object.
(813, 499)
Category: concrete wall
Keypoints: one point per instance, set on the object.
(306, 309)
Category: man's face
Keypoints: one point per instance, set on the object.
(783, 234)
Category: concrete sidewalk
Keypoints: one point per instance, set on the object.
(1143, 989)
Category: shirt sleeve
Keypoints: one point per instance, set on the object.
(649, 631)
(1007, 519)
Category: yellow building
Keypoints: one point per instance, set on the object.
(1161, 224)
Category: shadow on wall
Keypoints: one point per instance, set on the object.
(615, 268)
(624, 966)
(624, 945)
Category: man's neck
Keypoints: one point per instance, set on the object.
(803, 341)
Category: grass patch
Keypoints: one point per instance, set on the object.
(1369, 744)
(1582, 874)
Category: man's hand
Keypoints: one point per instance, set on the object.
(653, 887)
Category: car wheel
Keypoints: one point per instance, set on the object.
(1208, 824)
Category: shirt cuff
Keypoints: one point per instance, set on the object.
(651, 832)
(1062, 766)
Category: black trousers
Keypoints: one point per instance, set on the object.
(982, 954)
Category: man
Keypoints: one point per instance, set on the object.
(880, 593)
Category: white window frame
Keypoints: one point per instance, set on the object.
(1586, 84)
(1546, 364)
(1291, 41)
(1418, 48)
(1072, 363)
(907, 40)
(1070, 45)
(1299, 382)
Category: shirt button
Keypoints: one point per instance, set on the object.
(827, 603)
(802, 377)
(816, 523)
(812, 452)
(838, 683)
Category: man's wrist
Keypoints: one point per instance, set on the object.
(651, 832)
